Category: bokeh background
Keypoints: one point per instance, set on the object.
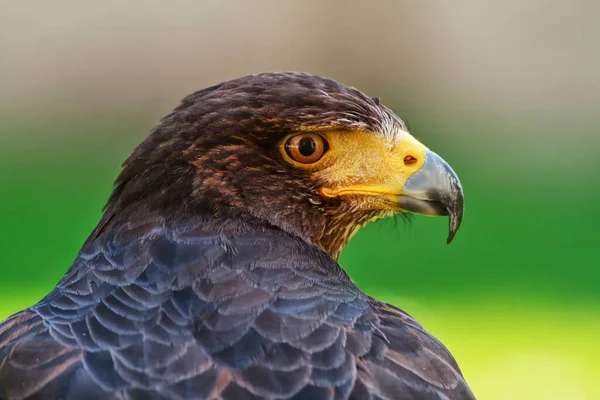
(507, 92)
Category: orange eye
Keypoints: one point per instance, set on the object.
(306, 148)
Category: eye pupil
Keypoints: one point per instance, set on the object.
(307, 146)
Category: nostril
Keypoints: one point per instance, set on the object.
(409, 160)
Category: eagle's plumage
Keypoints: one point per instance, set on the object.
(213, 275)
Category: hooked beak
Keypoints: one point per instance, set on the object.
(404, 177)
(434, 190)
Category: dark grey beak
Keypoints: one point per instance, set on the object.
(434, 190)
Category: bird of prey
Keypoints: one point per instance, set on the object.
(213, 271)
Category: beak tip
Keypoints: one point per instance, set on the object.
(451, 236)
(454, 220)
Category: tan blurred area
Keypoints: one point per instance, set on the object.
(527, 68)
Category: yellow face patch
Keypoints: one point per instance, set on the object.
(366, 165)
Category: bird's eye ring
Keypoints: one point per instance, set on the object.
(306, 148)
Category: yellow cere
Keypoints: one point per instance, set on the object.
(366, 163)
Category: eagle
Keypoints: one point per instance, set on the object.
(213, 272)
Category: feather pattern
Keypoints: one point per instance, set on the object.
(172, 311)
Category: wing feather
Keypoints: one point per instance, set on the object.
(165, 311)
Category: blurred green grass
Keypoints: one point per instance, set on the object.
(515, 297)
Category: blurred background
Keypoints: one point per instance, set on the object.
(507, 92)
